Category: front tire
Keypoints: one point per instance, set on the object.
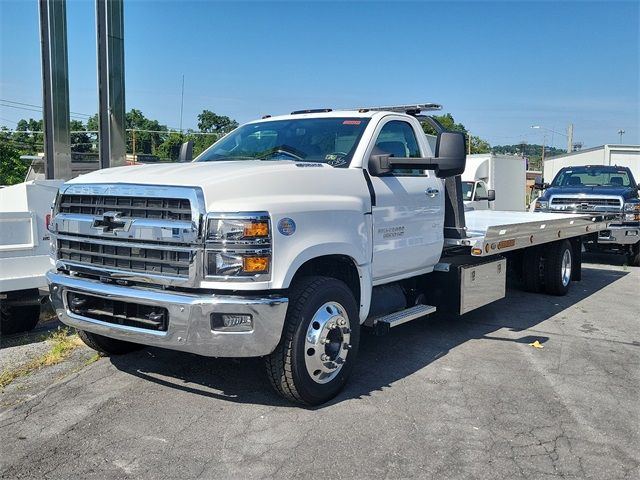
(107, 346)
(558, 268)
(319, 342)
(18, 319)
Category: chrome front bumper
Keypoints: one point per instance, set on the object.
(619, 235)
(189, 327)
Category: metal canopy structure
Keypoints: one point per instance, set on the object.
(55, 88)
(111, 98)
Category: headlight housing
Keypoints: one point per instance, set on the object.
(631, 212)
(238, 246)
(541, 205)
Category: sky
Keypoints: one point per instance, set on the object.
(497, 67)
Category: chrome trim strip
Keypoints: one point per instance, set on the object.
(129, 244)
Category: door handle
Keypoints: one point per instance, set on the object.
(431, 192)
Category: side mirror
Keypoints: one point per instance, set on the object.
(539, 184)
(449, 161)
(186, 152)
(491, 195)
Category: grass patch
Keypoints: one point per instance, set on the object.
(62, 341)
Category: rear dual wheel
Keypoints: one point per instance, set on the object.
(548, 269)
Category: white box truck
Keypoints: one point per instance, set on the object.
(496, 182)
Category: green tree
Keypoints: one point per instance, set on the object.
(210, 122)
(170, 148)
(80, 142)
(12, 169)
(478, 145)
(149, 134)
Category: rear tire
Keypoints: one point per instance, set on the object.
(532, 270)
(634, 256)
(558, 268)
(319, 342)
(18, 319)
(107, 346)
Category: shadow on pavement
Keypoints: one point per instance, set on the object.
(381, 360)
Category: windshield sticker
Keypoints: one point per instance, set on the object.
(335, 160)
(352, 122)
(286, 226)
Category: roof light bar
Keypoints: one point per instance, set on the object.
(311, 110)
(412, 109)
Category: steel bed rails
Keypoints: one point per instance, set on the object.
(491, 232)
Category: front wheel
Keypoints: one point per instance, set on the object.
(319, 342)
(107, 346)
(18, 318)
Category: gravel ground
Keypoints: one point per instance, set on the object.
(436, 398)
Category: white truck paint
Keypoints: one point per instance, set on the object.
(505, 174)
(283, 238)
(24, 251)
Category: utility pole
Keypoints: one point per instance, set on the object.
(181, 103)
(621, 132)
(469, 149)
(133, 134)
(570, 138)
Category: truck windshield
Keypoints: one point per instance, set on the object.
(322, 140)
(592, 177)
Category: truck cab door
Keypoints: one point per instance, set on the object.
(480, 196)
(408, 214)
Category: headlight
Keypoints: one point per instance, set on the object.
(541, 205)
(238, 245)
(631, 212)
(243, 227)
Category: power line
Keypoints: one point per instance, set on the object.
(38, 107)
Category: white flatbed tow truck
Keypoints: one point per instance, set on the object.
(286, 236)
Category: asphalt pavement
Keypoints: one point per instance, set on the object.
(437, 398)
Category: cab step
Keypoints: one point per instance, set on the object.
(382, 325)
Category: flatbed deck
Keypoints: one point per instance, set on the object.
(490, 232)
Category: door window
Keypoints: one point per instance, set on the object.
(481, 191)
(398, 139)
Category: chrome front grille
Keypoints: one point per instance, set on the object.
(586, 204)
(129, 207)
(141, 233)
(123, 257)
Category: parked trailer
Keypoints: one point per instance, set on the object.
(286, 236)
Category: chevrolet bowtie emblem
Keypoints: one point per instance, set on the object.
(109, 222)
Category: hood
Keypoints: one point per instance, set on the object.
(245, 184)
(624, 192)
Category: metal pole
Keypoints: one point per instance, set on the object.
(112, 120)
(55, 88)
(570, 138)
(181, 104)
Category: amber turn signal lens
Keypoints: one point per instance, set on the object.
(256, 229)
(255, 264)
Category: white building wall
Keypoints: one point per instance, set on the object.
(621, 155)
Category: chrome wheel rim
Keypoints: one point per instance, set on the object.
(566, 267)
(326, 344)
